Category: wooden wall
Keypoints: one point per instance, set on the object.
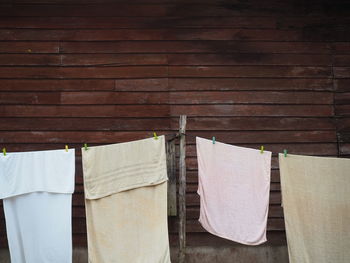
(251, 73)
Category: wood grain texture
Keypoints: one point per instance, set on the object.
(148, 34)
(193, 97)
(253, 71)
(119, 136)
(82, 72)
(171, 169)
(136, 22)
(195, 124)
(192, 46)
(272, 73)
(225, 84)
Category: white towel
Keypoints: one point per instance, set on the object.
(126, 202)
(316, 204)
(37, 190)
(234, 187)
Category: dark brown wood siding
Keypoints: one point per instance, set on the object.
(272, 73)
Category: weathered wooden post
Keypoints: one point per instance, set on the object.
(182, 190)
(171, 165)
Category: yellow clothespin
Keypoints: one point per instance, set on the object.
(85, 146)
(66, 148)
(262, 149)
(155, 136)
(4, 151)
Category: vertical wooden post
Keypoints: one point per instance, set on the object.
(182, 190)
(171, 165)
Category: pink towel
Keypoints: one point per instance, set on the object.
(234, 187)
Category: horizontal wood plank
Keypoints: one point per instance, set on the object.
(223, 84)
(85, 111)
(342, 98)
(84, 124)
(194, 46)
(82, 60)
(194, 124)
(148, 34)
(166, 110)
(343, 124)
(159, 8)
(341, 72)
(342, 110)
(204, 97)
(253, 110)
(56, 85)
(250, 71)
(162, 59)
(342, 85)
(163, 71)
(228, 137)
(344, 149)
(83, 72)
(257, 123)
(249, 59)
(341, 47)
(136, 22)
(29, 47)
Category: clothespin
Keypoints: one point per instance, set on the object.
(262, 149)
(85, 146)
(285, 153)
(4, 151)
(66, 148)
(155, 136)
(213, 139)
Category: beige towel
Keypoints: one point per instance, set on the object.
(126, 202)
(316, 202)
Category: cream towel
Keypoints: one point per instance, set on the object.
(37, 189)
(126, 202)
(234, 187)
(316, 203)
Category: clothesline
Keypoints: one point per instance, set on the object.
(173, 136)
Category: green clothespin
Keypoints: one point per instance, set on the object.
(85, 146)
(213, 139)
(4, 151)
(285, 153)
(155, 136)
(262, 149)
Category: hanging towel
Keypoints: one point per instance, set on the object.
(36, 188)
(126, 202)
(234, 186)
(316, 204)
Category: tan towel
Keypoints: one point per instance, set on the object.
(316, 202)
(126, 202)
